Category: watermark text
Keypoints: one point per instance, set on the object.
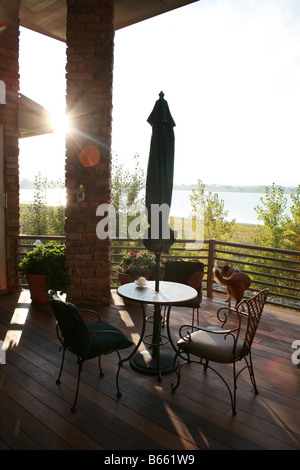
(296, 354)
(136, 223)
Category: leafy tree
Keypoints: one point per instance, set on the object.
(272, 214)
(279, 230)
(293, 232)
(57, 220)
(41, 219)
(126, 187)
(215, 223)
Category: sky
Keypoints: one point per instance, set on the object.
(230, 71)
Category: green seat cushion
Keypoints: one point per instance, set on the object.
(104, 338)
(84, 338)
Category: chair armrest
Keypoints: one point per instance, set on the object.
(223, 313)
(91, 311)
(207, 330)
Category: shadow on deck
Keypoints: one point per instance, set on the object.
(35, 412)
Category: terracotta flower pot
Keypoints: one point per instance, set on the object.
(38, 288)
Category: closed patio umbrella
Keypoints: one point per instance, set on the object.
(159, 237)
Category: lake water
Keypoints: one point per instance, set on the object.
(240, 205)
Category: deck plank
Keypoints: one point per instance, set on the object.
(35, 412)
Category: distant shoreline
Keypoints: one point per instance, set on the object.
(219, 188)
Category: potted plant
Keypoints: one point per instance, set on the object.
(44, 268)
(135, 265)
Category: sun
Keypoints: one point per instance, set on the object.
(60, 123)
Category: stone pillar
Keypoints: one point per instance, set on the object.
(90, 36)
(9, 74)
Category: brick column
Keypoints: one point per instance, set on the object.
(90, 37)
(9, 74)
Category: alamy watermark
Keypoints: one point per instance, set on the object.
(133, 222)
(296, 354)
(2, 353)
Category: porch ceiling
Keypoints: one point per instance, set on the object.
(48, 17)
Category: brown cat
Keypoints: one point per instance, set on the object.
(236, 283)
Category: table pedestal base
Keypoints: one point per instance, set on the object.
(144, 363)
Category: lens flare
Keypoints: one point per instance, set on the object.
(89, 156)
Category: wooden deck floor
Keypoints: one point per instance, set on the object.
(35, 412)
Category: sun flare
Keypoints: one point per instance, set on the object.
(60, 123)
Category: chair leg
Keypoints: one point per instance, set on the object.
(232, 394)
(249, 366)
(77, 388)
(233, 397)
(193, 317)
(164, 317)
(119, 393)
(251, 372)
(61, 366)
(177, 371)
(100, 368)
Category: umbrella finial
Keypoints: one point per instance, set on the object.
(161, 95)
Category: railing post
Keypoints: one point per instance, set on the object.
(210, 266)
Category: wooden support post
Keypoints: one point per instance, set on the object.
(210, 266)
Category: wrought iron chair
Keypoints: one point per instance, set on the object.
(190, 273)
(222, 344)
(85, 340)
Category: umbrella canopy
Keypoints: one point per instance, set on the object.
(159, 183)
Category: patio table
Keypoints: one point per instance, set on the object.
(156, 361)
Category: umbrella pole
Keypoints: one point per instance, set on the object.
(157, 270)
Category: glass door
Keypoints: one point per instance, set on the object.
(2, 219)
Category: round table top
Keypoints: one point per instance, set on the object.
(169, 293)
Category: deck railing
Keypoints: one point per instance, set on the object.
(276, 269)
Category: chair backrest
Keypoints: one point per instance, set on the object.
(71, 323)
(254, 308)
(185, 272)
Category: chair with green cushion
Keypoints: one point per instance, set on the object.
(225, 344)
(85, 340)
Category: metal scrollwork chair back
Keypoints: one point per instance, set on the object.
(223, 344)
